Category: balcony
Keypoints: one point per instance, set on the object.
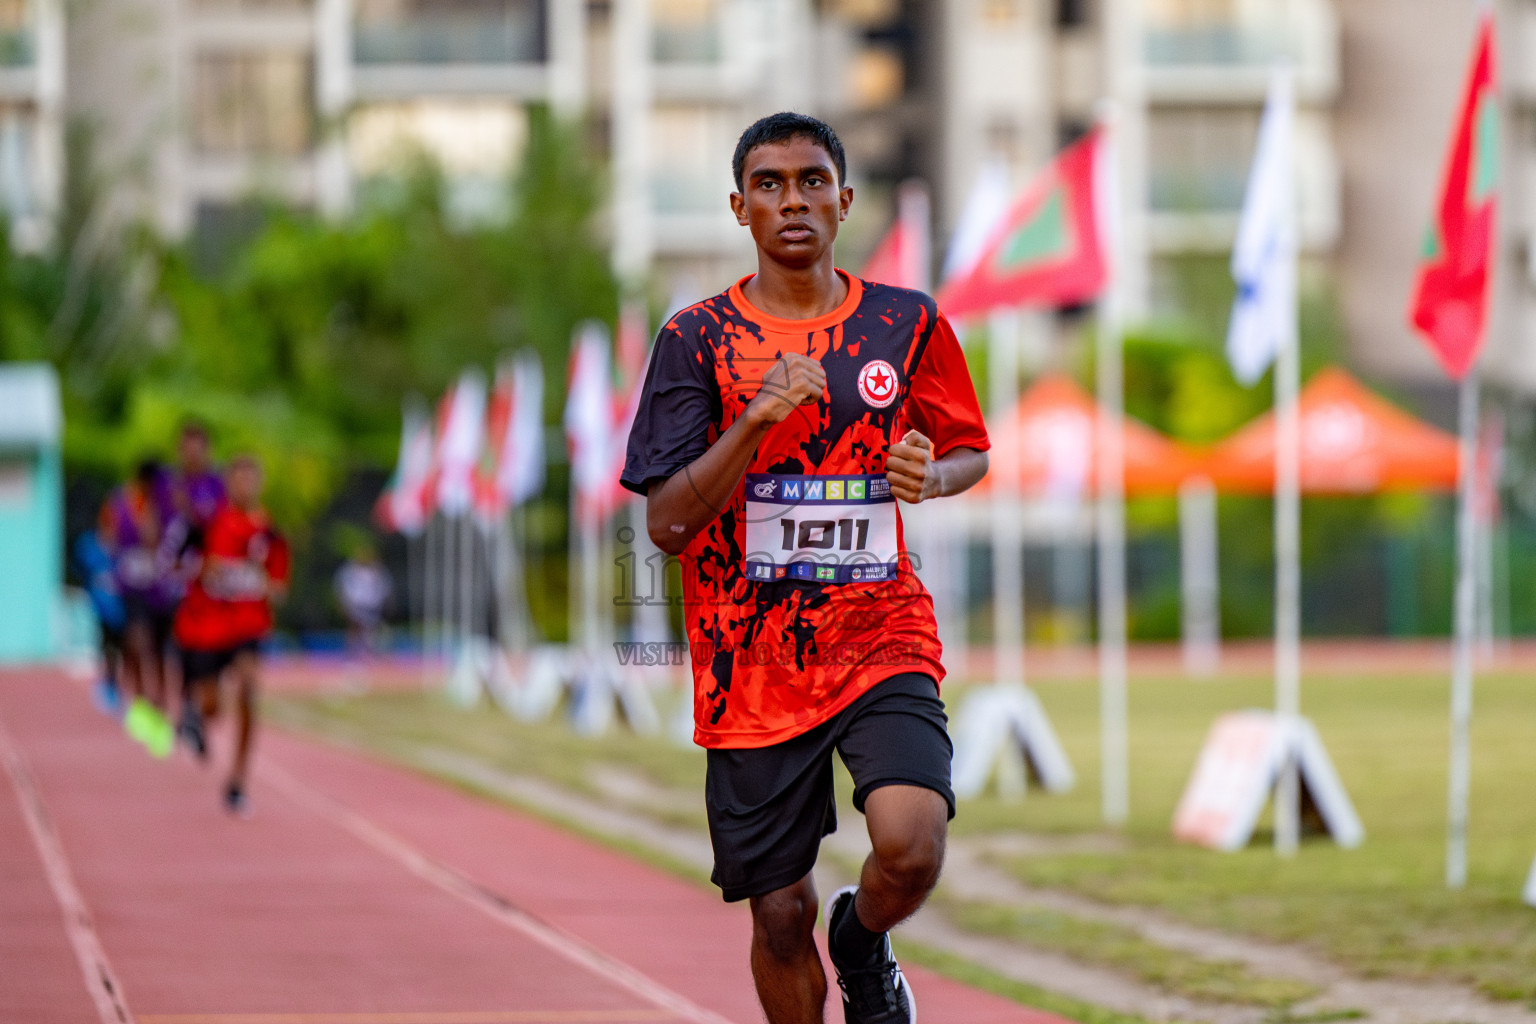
(1230, 61)
(452, 39)
(712, 56)
(497, 52)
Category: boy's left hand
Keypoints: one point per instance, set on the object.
(910, 468)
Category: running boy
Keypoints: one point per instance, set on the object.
(227, 613)
(779, 423)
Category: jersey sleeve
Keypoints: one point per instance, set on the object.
(679, 403)
(279, 564)
(941, 401)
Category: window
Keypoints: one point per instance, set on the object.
(1072, 13)
(685, 31)
(252, 104)
(17, 44)
(1189, 13)
(466, 138)
(1200, 158)
(690, 160)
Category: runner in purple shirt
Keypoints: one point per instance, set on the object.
(198, 488)
(135, 522)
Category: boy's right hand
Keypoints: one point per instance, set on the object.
(791, 381)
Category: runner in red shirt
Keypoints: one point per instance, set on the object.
(779, 425)
(226, 614)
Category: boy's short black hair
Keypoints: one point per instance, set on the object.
(782, 127)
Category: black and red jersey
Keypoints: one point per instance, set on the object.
(229, 604)
(780, 646)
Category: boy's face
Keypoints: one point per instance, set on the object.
(243, 481)
(792, 201)
(192, 451)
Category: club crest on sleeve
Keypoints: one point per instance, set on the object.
(877, 383)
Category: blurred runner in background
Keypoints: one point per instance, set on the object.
(94, 562)
(134, 522)
(363, 590)
(196, 494)
(197, 490)
(226, 615)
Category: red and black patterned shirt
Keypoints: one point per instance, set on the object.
(780, 646)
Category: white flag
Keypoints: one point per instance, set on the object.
(985, 209)
(459, 440)
(1264, 258)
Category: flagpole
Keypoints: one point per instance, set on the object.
(428, 604)
(1288, 561)
(1462, 668)
(449, 608)
(466, 583)
(412, 567)
(1110, 510)
(1007, 527)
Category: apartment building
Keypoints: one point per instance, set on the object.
(31, 117)
(193, 106)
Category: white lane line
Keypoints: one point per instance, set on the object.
(100, 980)
(419, 1017)
(494, 904)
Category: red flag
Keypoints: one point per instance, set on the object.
(1049, 249)
(901, 258)
(1450, 300)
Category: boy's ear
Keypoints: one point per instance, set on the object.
(739, 208)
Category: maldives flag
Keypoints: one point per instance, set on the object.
(901, 258)
(1450, 301)
(597, 423)
(511, 469)
(406, 503)
(460, 437)
(1049, 249)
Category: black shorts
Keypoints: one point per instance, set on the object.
(207, 666)
(770, 806)
(157, 620)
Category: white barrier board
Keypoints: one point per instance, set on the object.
(1530, 887)
(999, 722)
(1239, 765)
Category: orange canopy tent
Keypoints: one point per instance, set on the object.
(1051, 439)
(1352, 442)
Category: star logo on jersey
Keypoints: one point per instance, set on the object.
(877, 383)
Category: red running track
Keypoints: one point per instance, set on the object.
(357, 894)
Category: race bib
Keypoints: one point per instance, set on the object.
(824, 529)
(137, 569)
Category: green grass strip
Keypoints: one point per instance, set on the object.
(966, 972)
(1124, 949)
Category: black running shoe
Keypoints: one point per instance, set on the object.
(235, 800)
(873, 993)
(190, 729)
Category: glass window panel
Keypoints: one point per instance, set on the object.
(1199, 158)
(252, 103)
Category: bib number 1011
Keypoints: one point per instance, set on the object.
(824, 534)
